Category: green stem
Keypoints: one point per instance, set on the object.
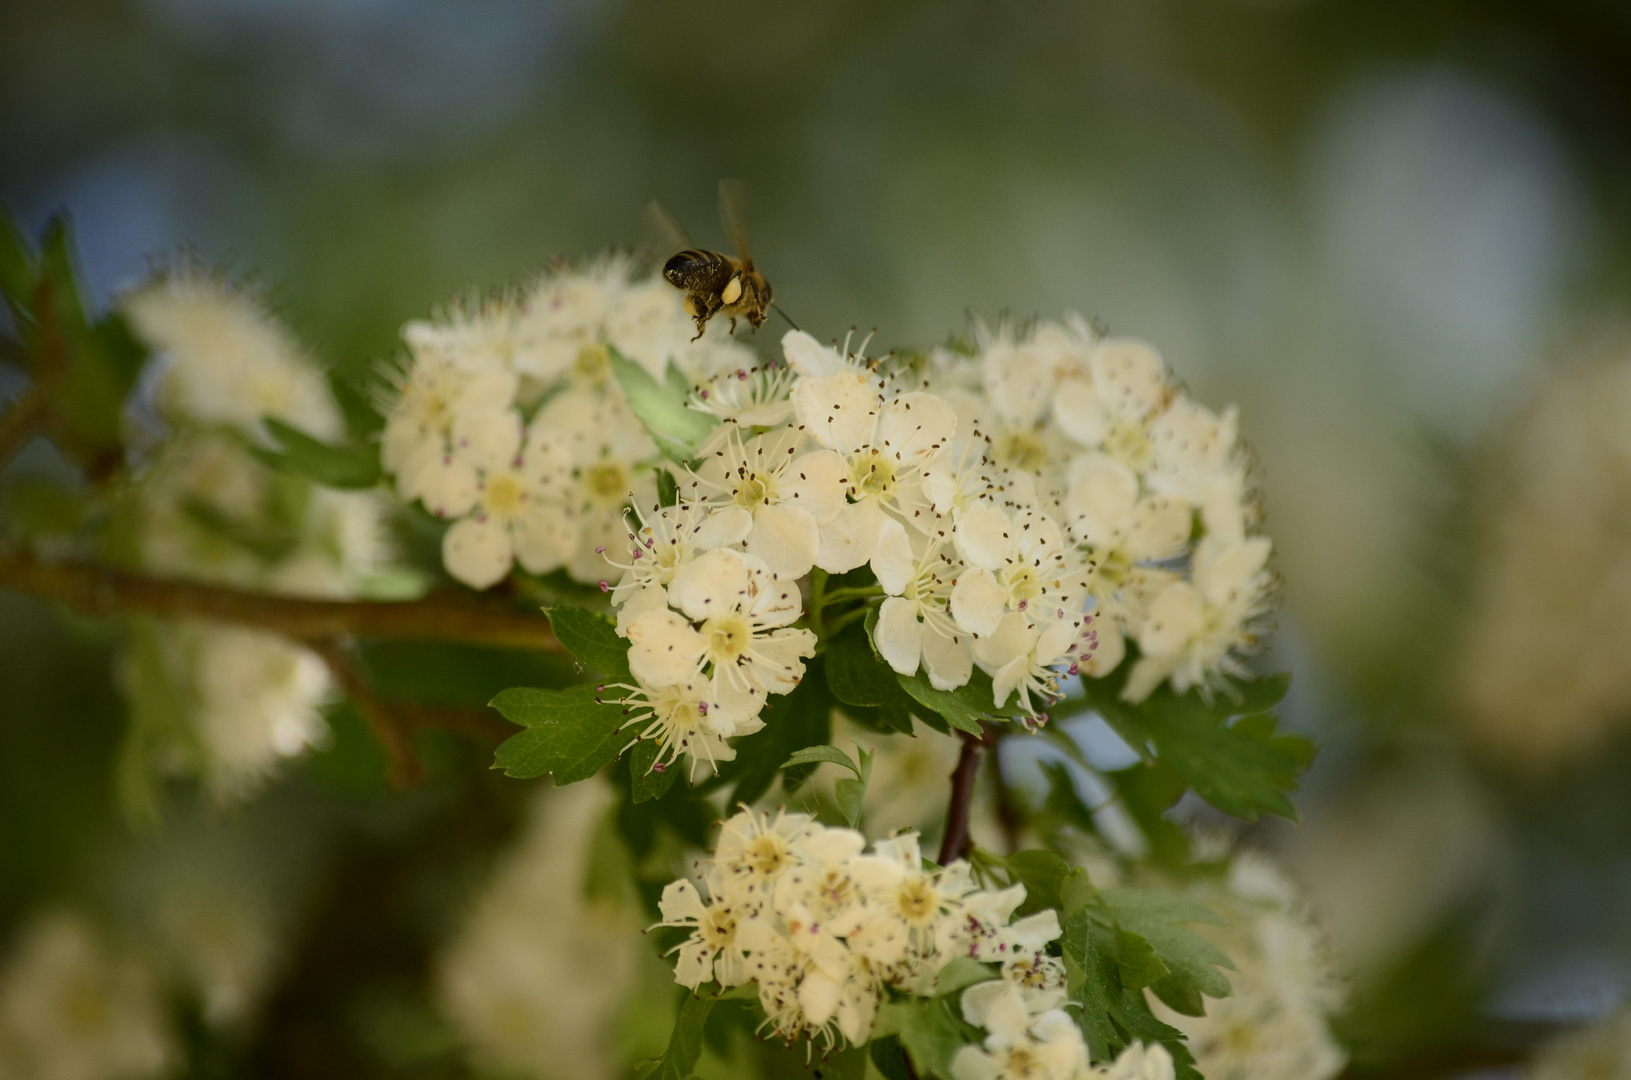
(846, 619)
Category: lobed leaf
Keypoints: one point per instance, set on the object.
(570, 734)
(1192, 961)
(685, 1041)
(592, 638)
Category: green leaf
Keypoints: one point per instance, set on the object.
(647, 783)
(593, 639)
(1192, 961)
(16, 271)
(817, 755)
(1137, 960)
(1148, 792)
(889, 1058)
(1042, 873)
(850, 796)
(931, 1034)
(1092, 976)
(685, 1042)
(351, 467)
(962, 708)
(792, 722)
(570, 733)
(960, 973)
(668, 492)
(1242, 768)
(676, 428)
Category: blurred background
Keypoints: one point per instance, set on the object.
(1397, 234)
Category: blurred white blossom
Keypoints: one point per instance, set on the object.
(538, 972)
(73, 1006)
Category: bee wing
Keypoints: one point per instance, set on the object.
(733, 205)
(668, 227)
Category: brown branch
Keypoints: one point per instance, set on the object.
(955, 844)
(101, 591)
(388, 725)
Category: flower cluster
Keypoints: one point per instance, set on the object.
(1030, 1036)
(823, 928)
(1275, 1023)
(1149, 487)
(1021, 511)
(202, 507)
(505, 418)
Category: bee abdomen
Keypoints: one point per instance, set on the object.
(694, 269)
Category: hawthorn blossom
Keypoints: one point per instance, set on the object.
(1194, 630)
(510, 490)
(727, 619)
(914, 622)
(789, 494)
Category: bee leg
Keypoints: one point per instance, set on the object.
(733, 324)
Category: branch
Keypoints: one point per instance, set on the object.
(101, 591)
(956, 843)
(406, 770)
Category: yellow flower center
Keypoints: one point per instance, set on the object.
(504, 495)
(607, 481)
(754, 490)
(593, 363)
(872, 477)
(767, 854)
(917, 901)
(727, 637)
(1023, 582)
(1129, 442)
(1020, 450)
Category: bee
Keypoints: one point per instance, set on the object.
(716, 284)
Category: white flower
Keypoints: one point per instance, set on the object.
(1142, 1061)
(539, 972)
(712, 951)
(476, 335)
(728, 618)
(73, 1007)
(1020, 1046)
(1114, 409)
(257, 700)
(669, 537)
(823, 928)
(914, 621)
(427, 400)
(610, 457)
(755, 849)
(746, 397)
(1017, 563)
(686, 718)
(788, 494)
(1274, 1024)
(978, 927)
(1193, 630)
(882, 447)
(229, 361)
(516, 495)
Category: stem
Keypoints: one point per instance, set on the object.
(854, 592)
(101, 591)
(955, 844)
(406, 770)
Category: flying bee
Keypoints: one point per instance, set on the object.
(716, 284)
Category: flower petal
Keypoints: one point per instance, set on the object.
(899, 635)
(786, 537)
(892, 562)
(478, 553)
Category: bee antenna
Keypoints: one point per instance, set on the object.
(777, 309)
